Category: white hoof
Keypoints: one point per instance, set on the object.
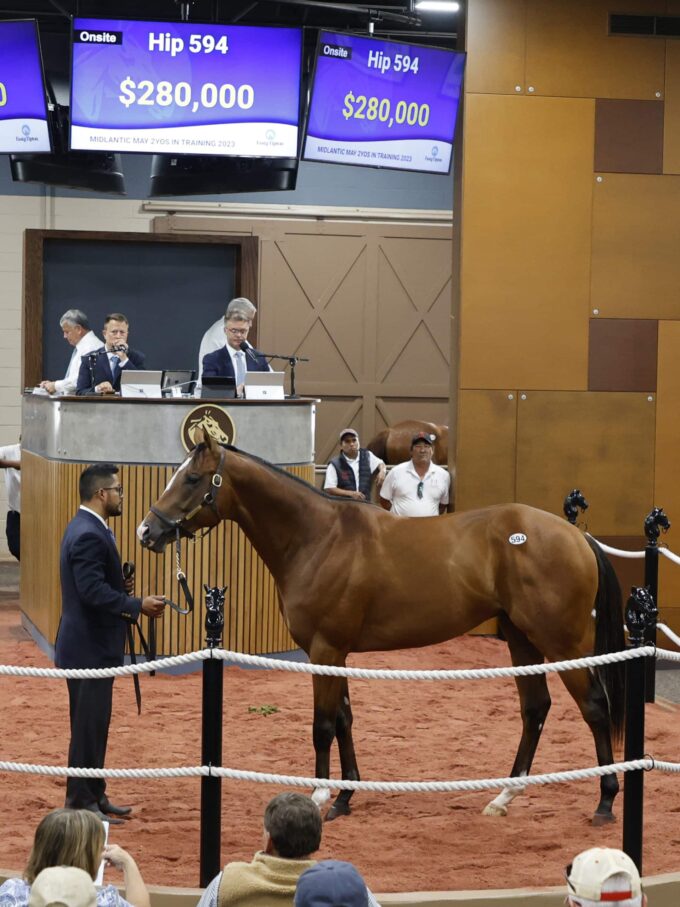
(321, 796)
(493, 809)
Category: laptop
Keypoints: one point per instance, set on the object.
(264, 386)
(178, 382)
(216, 387)
(134, 383)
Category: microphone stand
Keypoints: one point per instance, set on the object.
(292, 362)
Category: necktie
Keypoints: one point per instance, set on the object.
(240, 368)
(115, 367)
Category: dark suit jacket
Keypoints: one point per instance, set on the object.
(219, 364)
(94, 603)
(102, 370)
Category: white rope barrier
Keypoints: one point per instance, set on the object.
(479, 784)
(617, 552)
(297, 667)
(670, 555)
(669, 633)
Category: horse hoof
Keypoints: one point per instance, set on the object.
(602, 819)
(336, 810)
(493, 809)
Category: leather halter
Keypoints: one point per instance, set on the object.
(209, 500)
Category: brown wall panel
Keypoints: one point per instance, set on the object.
(622, 354)
(636, 237)
(666, 485)
(629, 136)
(570, 54)
(671, 131)
(600, 443)
(496, 46)
(526, 242)
(485, 462)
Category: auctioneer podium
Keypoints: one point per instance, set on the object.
(147, 439)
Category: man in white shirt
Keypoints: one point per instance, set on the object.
(77, 333)
(10, 461)
(350, 475)
(417, 487)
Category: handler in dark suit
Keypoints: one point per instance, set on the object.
(100, 370)
(96, 603)
(237, 356)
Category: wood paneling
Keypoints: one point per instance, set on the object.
(224, 557)
(629, 136)
(666, 485)
(622, 354)
(636, 236)
(671, 129)
(570, 53)
(485, 460)
(600, 443)
(526, 243)
(496, 46)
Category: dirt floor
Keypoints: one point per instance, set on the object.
(403, 731)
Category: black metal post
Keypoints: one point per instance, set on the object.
(211, 739)
(292, 362)
(640, 610)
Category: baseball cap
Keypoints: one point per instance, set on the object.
(422, 436)
(590, 870)
(347, 431)
(63, 885)
(331, 883)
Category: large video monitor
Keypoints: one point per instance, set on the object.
(23, 102)
(184, 88)
(382, 103)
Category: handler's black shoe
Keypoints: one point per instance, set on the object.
(112, 810)
(104, 818)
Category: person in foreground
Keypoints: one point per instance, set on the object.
(603, 875)
(351, 474)
(417, 487)
(100, 370)
(96, 603)
(332, 883)
(74, 838)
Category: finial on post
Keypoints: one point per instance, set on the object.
(656, 522)
(574, 502)
(641, 613)
(214, 615)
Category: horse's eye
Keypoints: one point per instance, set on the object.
(193, 479)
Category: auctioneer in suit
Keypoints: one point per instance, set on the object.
(220, 365)
(95, 368)
(92, 632)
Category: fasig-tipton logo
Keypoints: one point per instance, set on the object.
(336, 50)
(212, 419)
(97, 36)
(26, 136)
(433, 157)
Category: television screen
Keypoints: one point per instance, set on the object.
(23, 103)
(184, 88)
(383, 104)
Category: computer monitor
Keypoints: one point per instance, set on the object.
(264, 386)
(215, 387)
(140, 383)
(176, 381)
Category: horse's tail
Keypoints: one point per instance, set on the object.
(609, 637)
(378, 445)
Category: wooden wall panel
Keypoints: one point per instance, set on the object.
(485, 460)
(526, 242)
(666, 486)
(602, 443)
(570, 54)
(671, 130)
(636, 236)
(496, 46)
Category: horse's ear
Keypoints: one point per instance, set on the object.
(210, 442)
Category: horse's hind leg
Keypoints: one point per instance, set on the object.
(534, 704)
(348, 760)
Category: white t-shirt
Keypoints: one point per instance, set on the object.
(12, 476)
(401, 488)
(87, 344)
(331, 480)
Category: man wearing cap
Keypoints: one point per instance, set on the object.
(417, 487)
(351, 474)
(603, 875)
(332, 883)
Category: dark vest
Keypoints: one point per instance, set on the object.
(345, 474)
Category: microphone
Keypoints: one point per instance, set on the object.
(248, 350)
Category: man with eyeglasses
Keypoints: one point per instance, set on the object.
(603, 875)
(101, 370)
(417, 487)
(97, 601)
(236, 356)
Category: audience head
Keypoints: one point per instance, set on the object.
(238, 320)
(292, 824)
(74, 325)
(331, 883)
(603, 875)
(66, 837)
(63, 886)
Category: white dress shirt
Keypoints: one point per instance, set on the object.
(12, 476)
(87, 344)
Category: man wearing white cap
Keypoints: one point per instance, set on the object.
(351, 474)
(417, 487)
(603, 875)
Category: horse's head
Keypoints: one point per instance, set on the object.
(190, 499)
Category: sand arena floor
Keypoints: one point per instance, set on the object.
(403, 731)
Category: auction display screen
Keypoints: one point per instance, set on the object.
(185, 88)
(23, 107)
(383, 104)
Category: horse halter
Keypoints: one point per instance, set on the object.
(209, 500)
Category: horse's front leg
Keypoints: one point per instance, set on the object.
(348, 760)
(327, 692)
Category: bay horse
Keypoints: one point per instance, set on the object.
(393, 444)
(353, 577)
